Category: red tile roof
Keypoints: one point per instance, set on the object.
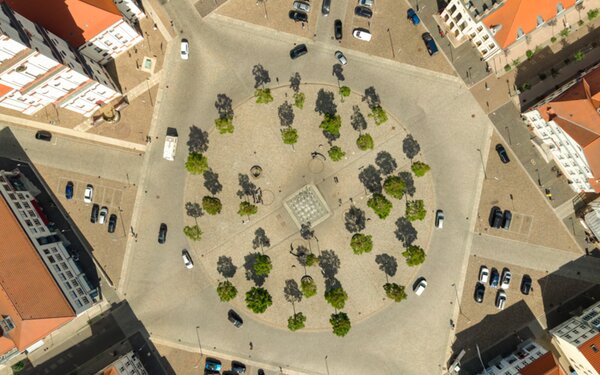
(75, 21)
(591, 351)
(545, 365)
(515, 14)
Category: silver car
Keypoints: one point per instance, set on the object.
(340, 57)
(301, 5)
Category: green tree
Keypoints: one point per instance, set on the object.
(226, 291)
(296, 321)
(380, 205)
(308, 287)
(579, 55)
(299, 100)
(336, 297)
(196, 163)
(263, 96)
(247, 209)
(262, 265)
(529, 53)
(332, 124)
(289, 136)
(212, 205)
(414, 255)
(311, 260)
(336, 153)
(592, 13)
(564, 32)
(415, 210)
(361, 243)
(365, 142)
(345, 91)
(379, 115)
(193, 232)
(419, 168)
(394, 291)
(258, 300)
(18, 367)
(224, 125)
(340, 324)
(394, 186)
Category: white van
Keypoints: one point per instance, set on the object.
(170, 148)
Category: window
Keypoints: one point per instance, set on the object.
(18, 204)
(36, 222)
(594, 348)
(540, 21)
(31, 213)
(56, 268)
(51, 259)
(28, 222)
(85, 300)
(69, 275)
(46, 251)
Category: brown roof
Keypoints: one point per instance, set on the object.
(75, 21)
(28, 292)
(545, 365)
(591, 351)
(515, 14)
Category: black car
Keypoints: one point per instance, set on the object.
(94, 214)
(298, 16)
(432, 48)
(496, 217)
(162, 233)
(238, 367)
(337, 29)
(261, 371)
(298, 51)
(112, 223)
(506, 219)
(363, 12)
(502, 153)
(43, 135)
(479, 292)
(234, 318)
(526, 284)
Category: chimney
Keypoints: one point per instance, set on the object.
(494, 29)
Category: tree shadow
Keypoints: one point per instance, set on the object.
(409, 182)
(325, 104)
(249, 261)
(371, 97)
(193, 210)
(410, 146)
(302, 255)
(197, 140)
(371, 179)
(357, 120)
(211, 182)
(386, 162)
(224, 106)
(306, 231)
(356, 220)
(292, 291)
(338, 72)
(261, 76)
(260, 239)
(329, 263)
(387, 263)
(247, 187)
(405, 232)
(295, 81)
(332, 283)
(286, 114)
(226, 267)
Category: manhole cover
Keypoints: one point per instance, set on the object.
(532, 162)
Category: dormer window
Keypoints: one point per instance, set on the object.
(520, 33)
(559, 8)
(540, 21)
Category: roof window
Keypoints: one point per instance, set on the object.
(540, 21)
(520, 33)
(594, 348)
(559, 8)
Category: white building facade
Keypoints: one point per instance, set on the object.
(526, 353)
(128, 364)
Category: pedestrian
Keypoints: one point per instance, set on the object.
(251, 345)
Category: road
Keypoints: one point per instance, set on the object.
(407, 338)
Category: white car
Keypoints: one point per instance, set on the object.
(103, 215)
(420, 287)
(185, 49)
(362, 34)
(301, 5)
(500, 299)
(484, 274)
(88, 194)
(439, 219)
(506, 276)
(366, 3)
(340, 57)
(187, 259)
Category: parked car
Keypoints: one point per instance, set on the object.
(507, 218)
(419, 288)
(325, 8)
(430, 44)
(212, 366)
(439, 219)
(362, 34)
(366, 3)
(261, 371)
(187, 259)
(88, 194)
(301, 5)
(340, 57)
(103, 215)
(184, 50)
(479, 292)
(495, 217)
(502, 153)
(526, 284)
(484, 274)
(298, 16)
(43, 135)
(363, 12)
(500, 299)
(234, 318)
(337, 29)
(69, 190)
(162, 233)
(112, 223)
(238, 367)
(494, 278)
(412, 16)
(94, 214)
(506, 276)
(298, 51)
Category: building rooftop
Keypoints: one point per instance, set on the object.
(545, 365)
(591, 351)
(75, 21)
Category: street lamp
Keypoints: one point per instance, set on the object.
(458, 301)
(482, 164)
(392, 43)
(326, 365)
(199, 347)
